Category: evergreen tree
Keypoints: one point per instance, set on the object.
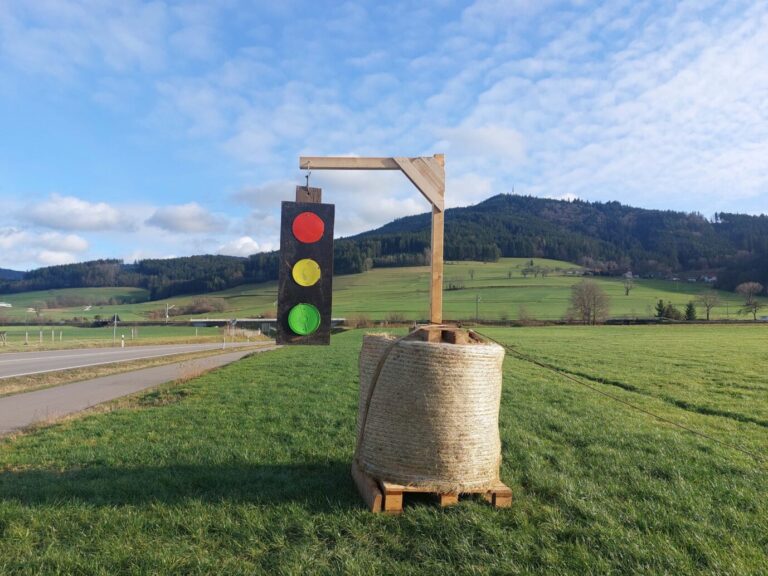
(690, 311)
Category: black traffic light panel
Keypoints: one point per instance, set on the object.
(306, 273)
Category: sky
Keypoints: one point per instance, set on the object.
(158, 129)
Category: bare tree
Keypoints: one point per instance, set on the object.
(709, 300)
(524, 316)
(589, 302)
(629, 283)
(749, 291)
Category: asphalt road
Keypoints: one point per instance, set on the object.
(27, 363)
(22, 410)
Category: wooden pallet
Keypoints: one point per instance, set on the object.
(381, 496)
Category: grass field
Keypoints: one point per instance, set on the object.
(488, 290)
(40, 299)
(246, 470)
(384, 291)
(28, 338)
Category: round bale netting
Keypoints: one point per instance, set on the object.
(433, 417)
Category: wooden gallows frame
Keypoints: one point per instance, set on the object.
(427, 173)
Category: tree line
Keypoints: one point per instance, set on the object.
(590, 304)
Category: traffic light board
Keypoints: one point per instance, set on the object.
(306, 273)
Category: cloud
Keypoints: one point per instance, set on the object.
(59, 38)
(55, 257)
(267, 196)
(469, 188)
(490, 143)
(24, 247)
(70, 213)
(243, 246)
(188, 218)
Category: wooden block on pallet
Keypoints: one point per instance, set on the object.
(500, 496)
(393, 497)
(368, 488)
(393, 502)
(448, 499)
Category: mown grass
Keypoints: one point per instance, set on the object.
(246, 471)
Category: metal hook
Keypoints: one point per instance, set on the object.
(308, 174)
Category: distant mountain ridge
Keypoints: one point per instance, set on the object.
(6, 274)
(609, 238)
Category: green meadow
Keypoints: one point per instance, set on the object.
(490, 291)
(246, 470)
(494, 291)
(20, 338)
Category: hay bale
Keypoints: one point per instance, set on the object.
(433, 418)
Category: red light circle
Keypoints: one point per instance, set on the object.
(308, 227)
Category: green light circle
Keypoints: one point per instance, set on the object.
(304, 319)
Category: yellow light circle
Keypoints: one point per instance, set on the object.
(306, 272)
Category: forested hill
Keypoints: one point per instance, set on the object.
(608, 238)
(161, 277)
(6, 274)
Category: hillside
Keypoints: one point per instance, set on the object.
(494, 291)
(607, 238)
(6, 274)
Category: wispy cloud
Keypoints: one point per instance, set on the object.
(188, 219)
(71, 213)
(61, 38)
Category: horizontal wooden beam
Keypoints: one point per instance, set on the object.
(346, 163)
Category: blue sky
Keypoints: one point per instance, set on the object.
(154, 129)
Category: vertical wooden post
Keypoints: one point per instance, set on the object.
(436, 241)
(436, 280)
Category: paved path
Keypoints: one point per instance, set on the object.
(22, 410)
(16, 364)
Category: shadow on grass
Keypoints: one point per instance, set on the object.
(319, 487)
